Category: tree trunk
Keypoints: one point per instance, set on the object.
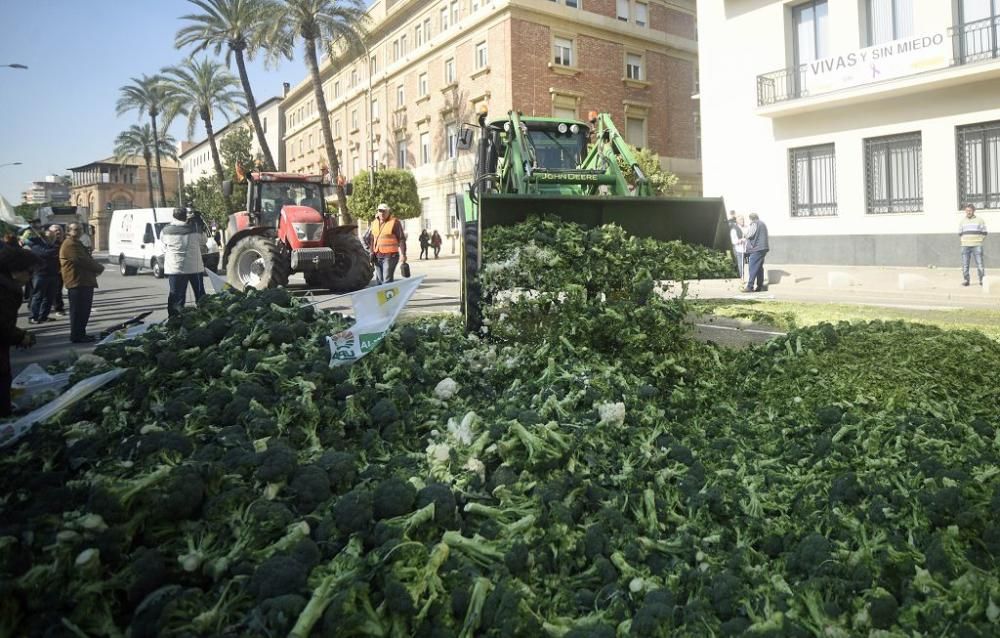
(324, 121)
(206, 119)
(149, 179)
(159, 168)
(254, 115)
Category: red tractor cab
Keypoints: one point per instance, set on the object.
(285, 229)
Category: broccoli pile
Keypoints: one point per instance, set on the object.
(583, 468)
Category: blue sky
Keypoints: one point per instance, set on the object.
(61, 111)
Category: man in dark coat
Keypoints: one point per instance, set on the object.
(16, 265)
(46, 283)
(79, 273)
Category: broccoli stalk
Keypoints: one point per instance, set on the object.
(327, 581)
(474, 614)
(422, 580)
(548, 444)
(485, 552)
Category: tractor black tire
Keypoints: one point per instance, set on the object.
(314, 279)
(352, 267)
(257, 262)
(471, 289)
(125, 270)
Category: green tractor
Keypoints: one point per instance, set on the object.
(539, 165)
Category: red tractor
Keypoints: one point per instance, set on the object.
(285, 229)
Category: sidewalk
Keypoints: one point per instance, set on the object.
(869, 285)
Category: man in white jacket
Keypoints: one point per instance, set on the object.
(183, 244)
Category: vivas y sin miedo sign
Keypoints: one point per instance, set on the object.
(885, 61)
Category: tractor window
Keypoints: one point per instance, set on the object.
(274, 195)
(557, 150)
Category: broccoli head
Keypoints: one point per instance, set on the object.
(353, 511)
(393, 497)
(277, 463)
(277, 576)
(311, 487)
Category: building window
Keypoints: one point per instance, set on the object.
(810, 21)
(425, 148)
(263, 126)
(889, 20)
(395, 49)
(481, 58)
(444, 18)
(401, 156)
(425, 221)
(979, 164)
(310, 142)
(301, 150)
(336, 89)
(813, 181)
(373, 65)
(635, 131)
(336, 128)
(427, 29)
(893, 172)
(473, 6)
(623, 10)
(562, 51)
(569, 3)
(422, 84)
(400, 96)
(633, 66)
(564, 112)
(451, 140)
(376, 113)
(402, 44)
(449, 71)
(454, 11)
(354, 119)
(641, 14)
(354, 165)
(418, 35)
(977, 35)
(354, 77)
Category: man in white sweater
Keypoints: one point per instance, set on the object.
(183, 244)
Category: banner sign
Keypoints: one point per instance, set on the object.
(885, 61)
(375, 310)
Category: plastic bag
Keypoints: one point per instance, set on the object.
(34, 381)
(13, 431)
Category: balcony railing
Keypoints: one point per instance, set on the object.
(971, 42)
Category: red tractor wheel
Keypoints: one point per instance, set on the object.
(257, 262)
(352, 267)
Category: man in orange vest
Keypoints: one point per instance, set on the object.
(387, 244)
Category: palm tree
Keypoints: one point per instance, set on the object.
(146, 95)
(199, 89)
(139, 141)
(240, 27)
(322, 23)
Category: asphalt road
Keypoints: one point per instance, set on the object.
(119, 298)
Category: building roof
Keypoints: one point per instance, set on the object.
(134, 160)
(219, 132)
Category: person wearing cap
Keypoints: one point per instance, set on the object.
(16, 265)
(79, 273)
(183, 245)
(386, 242)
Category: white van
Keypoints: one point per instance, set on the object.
(133, 241)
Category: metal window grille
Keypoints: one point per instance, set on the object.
(813, 181)
(976, 37)
(894, 174)
(978, 148)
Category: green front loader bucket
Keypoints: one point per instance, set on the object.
(700, 221)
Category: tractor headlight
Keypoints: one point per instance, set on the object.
(574, 129)
(308, 232)
(563, 128)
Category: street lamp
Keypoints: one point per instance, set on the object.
(371, 120)
(10, 164)
(15, 66)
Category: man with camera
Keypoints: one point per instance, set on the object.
(183, 244)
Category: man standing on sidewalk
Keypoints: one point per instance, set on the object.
(79, 273)
(183, 244)
(756, 249)
(972, 232)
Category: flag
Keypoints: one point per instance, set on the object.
(218, 283)
(8, 215)
(375, 310)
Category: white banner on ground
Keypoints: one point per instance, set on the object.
(12, 431)
(127, 333)
(34, 381)
(218, 283)
(375, 310)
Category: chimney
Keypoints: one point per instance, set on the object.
(287, 87)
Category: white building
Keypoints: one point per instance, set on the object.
(855, 128)
(196, 159)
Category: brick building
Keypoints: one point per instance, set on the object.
(433, 63)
